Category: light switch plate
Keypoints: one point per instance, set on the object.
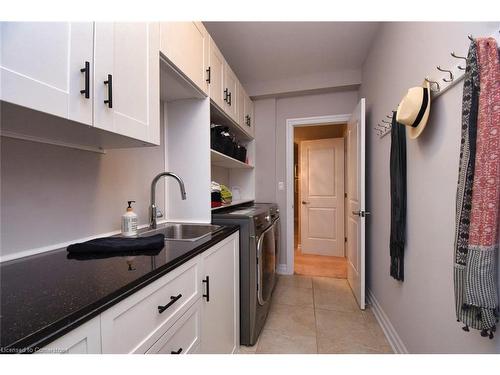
(281, 185)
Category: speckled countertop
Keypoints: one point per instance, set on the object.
(45, 296)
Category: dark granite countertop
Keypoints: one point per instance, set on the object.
(47, 295)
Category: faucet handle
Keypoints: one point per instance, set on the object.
(159, 214)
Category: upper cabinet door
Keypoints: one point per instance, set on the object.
(216, 64)
(230, 93)
(41, 65)
(245, 111)
(126, 79)
(249, 116)
(240, 109)
(185, 44)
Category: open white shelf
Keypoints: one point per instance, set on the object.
(221, 160)
(233, 203)
(217, 116)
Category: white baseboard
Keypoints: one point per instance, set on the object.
(389, 331)
(282, 269)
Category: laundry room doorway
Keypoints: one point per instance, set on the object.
(326, 216)
(319, 220)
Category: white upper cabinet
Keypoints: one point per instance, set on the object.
(245, 111)
(186, 45)
(101, 74)
(216, 64)
(126, 79)
(230, 93)
(248, 111)
(241, 106)
(41, 67)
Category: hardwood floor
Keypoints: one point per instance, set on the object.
(320, 265)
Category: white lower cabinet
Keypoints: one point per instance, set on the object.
(220, 319)
(136, 323)
(192, 309)
(183, 337)
(86, 339)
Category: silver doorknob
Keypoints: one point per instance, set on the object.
(361, 213)
(305, 202)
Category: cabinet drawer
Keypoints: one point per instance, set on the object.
(134, 324)
(85, 339)
(183, 337)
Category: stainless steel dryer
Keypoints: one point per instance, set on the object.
(259, 244)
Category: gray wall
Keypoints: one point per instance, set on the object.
(422, 308)
(52, 194)
(270, 140)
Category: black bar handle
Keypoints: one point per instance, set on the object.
(207, 281)
(229, 96)
(209, 75)
(179, 351)
(109, 82)
(173, 299)
(226, 94)
(86, 90)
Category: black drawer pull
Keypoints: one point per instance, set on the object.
(179, 351)
(86, 90)
(229, 96)
(109, 82)
(173, 299)
(226, 95)
(208, 78)
(207, 296)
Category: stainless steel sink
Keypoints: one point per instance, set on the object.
(181, 231)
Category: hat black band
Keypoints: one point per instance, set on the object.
(423, 107)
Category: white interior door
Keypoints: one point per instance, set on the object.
(356, 210)
(322, 196)
(40, 67)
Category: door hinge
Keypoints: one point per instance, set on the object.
(345, 239)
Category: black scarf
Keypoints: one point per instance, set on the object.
(398, 198)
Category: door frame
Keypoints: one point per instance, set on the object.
(291, 124)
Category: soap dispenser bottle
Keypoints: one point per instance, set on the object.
(129, 221)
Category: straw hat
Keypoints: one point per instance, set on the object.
(413, 111)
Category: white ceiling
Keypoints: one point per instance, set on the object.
(271, 51)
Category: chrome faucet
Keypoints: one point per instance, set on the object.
(152, 208)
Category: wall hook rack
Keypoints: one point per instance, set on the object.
(459, 57)
(446, 71)
(456, 74)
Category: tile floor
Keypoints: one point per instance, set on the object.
(317, 315)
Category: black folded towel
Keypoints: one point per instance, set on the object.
(151, 245)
